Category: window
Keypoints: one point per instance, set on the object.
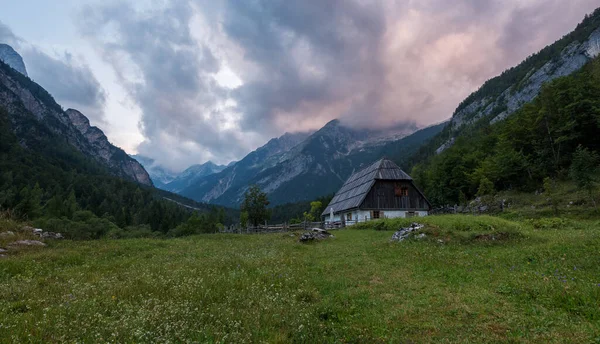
(349, 217)
(375, 214)
(400, 191)
(412, 214)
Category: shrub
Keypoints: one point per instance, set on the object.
(548, 223)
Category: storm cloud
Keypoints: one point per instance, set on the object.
(70, 81)
(8, 37)
(214, 79)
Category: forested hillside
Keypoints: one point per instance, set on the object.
(44, 179)
(501, 96)
(51, 173)
(538, 141)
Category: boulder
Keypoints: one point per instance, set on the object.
(3, 250)
(404, 233)
(316, 234)
(27, 243)
(52, 235)
(6, 234)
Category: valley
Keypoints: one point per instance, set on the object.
(477, 225)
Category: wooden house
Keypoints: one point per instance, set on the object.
(381, 190)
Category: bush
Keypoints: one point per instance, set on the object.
(86, 226)
(549, 223)
(132, 232)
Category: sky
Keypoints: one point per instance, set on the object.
(187, 81)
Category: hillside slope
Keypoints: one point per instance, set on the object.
(546, 140)
(20, 95)
(501, 96)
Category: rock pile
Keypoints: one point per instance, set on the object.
(315, 234)
(26, 243)
(41, 234)
(404, 233)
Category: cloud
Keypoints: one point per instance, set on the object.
(8, 37)
(71, 82)
(373, 64)
(186, 116)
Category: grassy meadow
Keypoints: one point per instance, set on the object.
(472, 279)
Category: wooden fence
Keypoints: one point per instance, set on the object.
(288, 227)
(277, 228)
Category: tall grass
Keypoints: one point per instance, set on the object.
(357, 287)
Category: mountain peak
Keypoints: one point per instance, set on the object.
(9, 56)
(333, 123)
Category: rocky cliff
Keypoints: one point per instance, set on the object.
(18, 93)
(498, 98)
(9, 56)
(105, 152)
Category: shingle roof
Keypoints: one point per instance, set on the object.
(354, 191)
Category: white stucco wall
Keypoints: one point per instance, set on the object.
(362, 215)
(393, 214)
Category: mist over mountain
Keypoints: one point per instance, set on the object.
(299, 167)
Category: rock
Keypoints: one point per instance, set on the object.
(52, 235)
(105, 152)
(27, 243)
(9, 56)
(3, 256)
(315, 235)
(404, 233)
(3, 250)
(6, 234)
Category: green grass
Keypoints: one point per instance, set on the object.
(536, 285)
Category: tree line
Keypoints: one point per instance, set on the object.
(45, 180)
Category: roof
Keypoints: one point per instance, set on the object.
(354, 191)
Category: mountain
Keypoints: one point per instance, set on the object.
(60, 173)
(9, 56)
(168, 180)
(501, 96)
(299, 167)
(105, 152)
(193, 175)
(534, 124)
(159, 175)
(17, 90)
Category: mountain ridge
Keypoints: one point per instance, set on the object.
(305, 168)
(10, 56)
(18, 90)
(502, 95)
